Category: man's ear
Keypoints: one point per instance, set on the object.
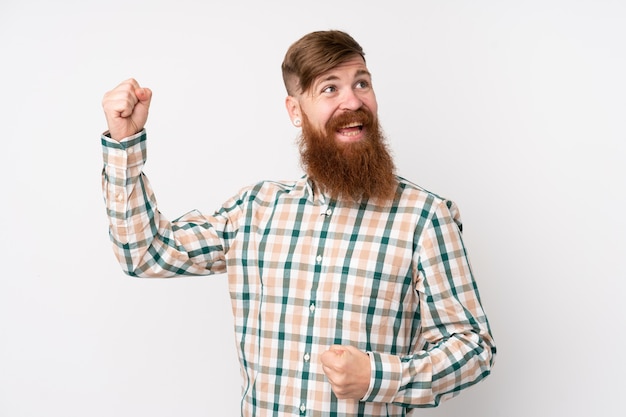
(293, 109)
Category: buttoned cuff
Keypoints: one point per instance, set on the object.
(128, 152)
(385, 378)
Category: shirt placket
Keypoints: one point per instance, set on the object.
(318, 252)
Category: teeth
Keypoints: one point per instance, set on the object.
(348, 131)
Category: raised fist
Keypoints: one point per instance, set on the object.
(126, 109)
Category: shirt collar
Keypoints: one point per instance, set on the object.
(311, 191)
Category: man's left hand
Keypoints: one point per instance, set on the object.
(348, 370)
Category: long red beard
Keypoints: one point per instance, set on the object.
(355, 170)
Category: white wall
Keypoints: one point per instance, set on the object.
(514, 109)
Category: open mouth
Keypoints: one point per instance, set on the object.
(351, 129)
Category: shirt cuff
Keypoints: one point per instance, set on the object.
(385, 378)
(128, 152)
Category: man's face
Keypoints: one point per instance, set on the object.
(342, 147)
(347, 87)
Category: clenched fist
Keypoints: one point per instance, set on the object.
(348, 371)
(126, 109)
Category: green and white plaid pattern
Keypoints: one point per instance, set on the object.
(306, 272)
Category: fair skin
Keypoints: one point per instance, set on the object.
(126, 109)
(346, 87)
(348, 371)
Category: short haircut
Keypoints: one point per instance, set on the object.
(313, 55)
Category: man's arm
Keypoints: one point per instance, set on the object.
(146, 243)
(455, 349)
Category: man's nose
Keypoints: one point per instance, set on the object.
(351, 101)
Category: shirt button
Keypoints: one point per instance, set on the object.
(131, 150)
(307, 357)
(119, 196)
(302, 408)
(329, 212)
(312, 307)
(319, 259)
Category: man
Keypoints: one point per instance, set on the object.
(351, 289)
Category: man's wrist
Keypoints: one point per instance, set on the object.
(385, 377)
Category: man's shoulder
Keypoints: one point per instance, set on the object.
(413, 190)
(426, 203)
(270, 189)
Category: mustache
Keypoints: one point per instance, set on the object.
(361, 116)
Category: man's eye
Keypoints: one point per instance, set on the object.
(362, 84)
(329, 89)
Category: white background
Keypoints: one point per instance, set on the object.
(514, 109)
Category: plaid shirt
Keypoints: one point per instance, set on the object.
(306, 272)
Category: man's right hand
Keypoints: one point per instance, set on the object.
(126, 109)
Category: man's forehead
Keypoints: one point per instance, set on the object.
(354, 67)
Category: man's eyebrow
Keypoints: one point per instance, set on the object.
(332, 77)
